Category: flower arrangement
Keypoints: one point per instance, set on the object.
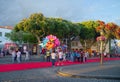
(110, 26)
(101, 38)
(50, 42)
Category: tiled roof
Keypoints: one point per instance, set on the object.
(7, 27)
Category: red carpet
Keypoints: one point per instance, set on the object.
(32, 65)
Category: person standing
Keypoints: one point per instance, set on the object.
(48, 56)
(64, 56)
(60, 57)
(27, 55)
(13, 52)
(53, 57)
(18, 56)
(78, 56)
(81, 56)
(86, 55)
(2, 53)
(72, 56)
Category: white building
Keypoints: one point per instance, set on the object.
(4, 31)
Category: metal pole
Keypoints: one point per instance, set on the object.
(101, 57)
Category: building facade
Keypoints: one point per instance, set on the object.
(75, 44)
(4, 32)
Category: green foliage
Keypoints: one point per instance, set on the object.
(22, 37)
(37, 26)
(88, 30)
(88, 33)
(34, 24)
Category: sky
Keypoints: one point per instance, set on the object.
(13, 11)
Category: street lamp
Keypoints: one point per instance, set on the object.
(101, 38)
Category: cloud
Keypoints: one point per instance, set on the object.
(12, 11)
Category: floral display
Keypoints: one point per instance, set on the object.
(101, 38)
(110, 26)
(50, 42)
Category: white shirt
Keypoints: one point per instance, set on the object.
(86, 54)
(60, 54)
(13, 54)
(27, 55)
(18, 54)
(53, 55)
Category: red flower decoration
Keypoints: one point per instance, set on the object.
(107, 26)
(110, 26)
(101, 22)
(101, 38)
(98, 28)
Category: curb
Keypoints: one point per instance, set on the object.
(59, 72)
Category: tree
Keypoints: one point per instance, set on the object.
(73, 32)
(88, 34)
(34, 24)
(22, 37)
(117, 33)
(61, 28)
(109, 30)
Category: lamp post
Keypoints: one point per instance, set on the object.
(101, 50)
(101, 38)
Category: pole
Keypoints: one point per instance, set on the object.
(101, 57)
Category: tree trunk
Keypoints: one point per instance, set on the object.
(38, 46)
(85, 44)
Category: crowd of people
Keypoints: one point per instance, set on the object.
(16, 54)
(4, 52)
(61, 56)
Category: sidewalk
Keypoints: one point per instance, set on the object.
(109, 70)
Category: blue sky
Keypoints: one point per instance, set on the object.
(12, 11)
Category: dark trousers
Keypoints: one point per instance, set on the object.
(48, 58)
(78, 59)
(53, 62)
(85, 59)
(15, 58)
(81, 59)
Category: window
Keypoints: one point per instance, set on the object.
(72, 43)
(0, 34)
(75, 43)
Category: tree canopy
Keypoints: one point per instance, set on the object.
(38, 26)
